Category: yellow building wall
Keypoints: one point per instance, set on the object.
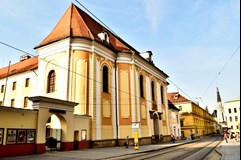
(17, 119)
(197, 121)
(82, 124)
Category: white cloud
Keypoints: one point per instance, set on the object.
(155, 12)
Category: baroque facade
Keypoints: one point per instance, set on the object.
(83, 65)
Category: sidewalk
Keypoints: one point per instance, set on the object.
(97, 153)
(229, 151)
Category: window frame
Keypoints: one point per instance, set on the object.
(142, 86)
(12, 102)
(27, 82)
(153, 96)
(105, 79)
(2, 88)
(51, 82)
(25, 102)
(14, 86)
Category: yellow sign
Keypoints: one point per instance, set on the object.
(136, 143)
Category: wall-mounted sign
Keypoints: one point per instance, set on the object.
(135, 125)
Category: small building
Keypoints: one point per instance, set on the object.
(232, 110)
(174, 117)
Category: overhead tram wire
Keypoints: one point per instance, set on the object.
(96, 18)
(181, 90)
(15, 48)
(219, 73)
(108, 28)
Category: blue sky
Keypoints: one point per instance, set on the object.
(192, 40)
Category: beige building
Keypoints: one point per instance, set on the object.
(174, 117)
(86, 88)
(232, 110)
(195, 121)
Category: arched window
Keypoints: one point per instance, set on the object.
(51, 82)
(141, 87)
(105, 79)
(153, 90)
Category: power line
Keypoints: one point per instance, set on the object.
(108, 28)
(96, 18)
(181, 90)
(149, 101)
(14, 48)
(219, 73)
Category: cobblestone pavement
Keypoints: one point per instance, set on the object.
(229, 151)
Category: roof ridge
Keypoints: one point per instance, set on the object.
(77, 10)
(51, 37)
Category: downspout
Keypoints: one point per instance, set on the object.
(116, 106)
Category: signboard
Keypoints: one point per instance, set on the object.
(135, 125)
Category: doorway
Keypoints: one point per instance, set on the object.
(156, 127)
(53, 133)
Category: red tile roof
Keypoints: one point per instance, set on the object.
(175, 97)
(19, 67)
(78, 24)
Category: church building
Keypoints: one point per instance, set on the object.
(86, 88)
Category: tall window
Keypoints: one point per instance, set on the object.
(153, 90)
(235, 110)
(105, 79)
(12, 102)
(236, 118)
(141, 87)
(51, 82)
(14, 86)
(27, 82)
(2, 88)
(229, 110)
(162, 95)
(25, 105)
(230, 119)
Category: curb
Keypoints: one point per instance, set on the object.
(219, 152)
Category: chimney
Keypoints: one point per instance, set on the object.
(24, 57)
(147, 55)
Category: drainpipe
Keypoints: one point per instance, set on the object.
(116, 107)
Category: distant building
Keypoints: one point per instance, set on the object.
(174, 117)
(232, 110)
(195, 121)
(220, 114)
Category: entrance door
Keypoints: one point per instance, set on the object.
(156, 127)
(53, 133)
